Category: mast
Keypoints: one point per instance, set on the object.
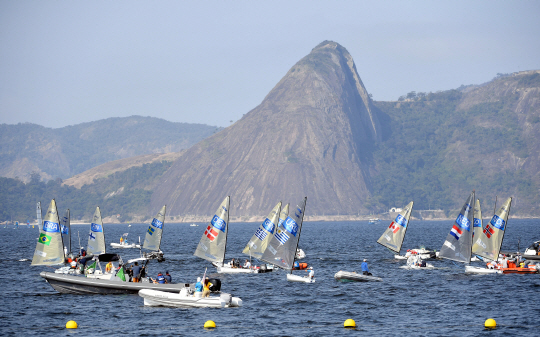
(226, 231)
(502, 239)
(472, 222)
(61, 236)
(299, 232)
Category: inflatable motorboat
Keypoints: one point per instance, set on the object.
(186, 298)
(227, 268)
(533, 252)
(347, 276)
(124, 245)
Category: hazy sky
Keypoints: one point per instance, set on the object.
(68, 62)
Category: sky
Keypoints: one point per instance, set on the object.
(68, 62)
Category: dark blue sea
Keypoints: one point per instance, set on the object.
(440, 302)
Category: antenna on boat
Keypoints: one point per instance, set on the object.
(495, 207)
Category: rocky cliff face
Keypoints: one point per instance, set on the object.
(311, 136)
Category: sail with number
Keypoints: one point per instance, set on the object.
(457, 246)
(214, 240)
(477, 226)
(259, 241)
(152, 240)
(393, 236)
(39, 215)
(49, 248)
(488, 243)
(65, 228)
(96, 238)
(282, 248)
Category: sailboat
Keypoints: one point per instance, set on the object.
(259, 241)
(458, 243)
(478, 227)
(393, 236)
(96, 237)
(488, 244)
(49, 248)
(281, 251)
(152, 240)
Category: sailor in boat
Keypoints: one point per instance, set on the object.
(159, 279)
(365, 269)
(247, 265)
(168, 277)
(121, 240)
(311, 273)
(136, 271)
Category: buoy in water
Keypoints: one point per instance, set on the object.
(209, 324)
(490, 323)
(71, 325)
(350, 323)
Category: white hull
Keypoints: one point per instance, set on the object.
(413, 267)
(296, 278)
(347, 276)
(229, 270)
(185, 299)
(481, 270)
(123, 245)
(66, 270)
(400, 257)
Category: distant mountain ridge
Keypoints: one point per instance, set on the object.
(64, 152)
(318, 134)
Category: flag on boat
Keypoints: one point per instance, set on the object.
(120, 273)
(211, 233)
(45, 239)
(489, 231)
(456, 232)
(92, 266)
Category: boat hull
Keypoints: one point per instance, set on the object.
(80, 285)
(519, 270)
(118, 245)
(297, 278)
(185, 299)
(479, 270)
(346, 276)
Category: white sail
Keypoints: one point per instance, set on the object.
(259, 241)
(488, 243)
(214, 240)
(49, 248)
(152, 241)
(458, 243)
(65, 228)
(477, 225)
(96, 238)
(283, 215)
(393, 236)
(281, 250)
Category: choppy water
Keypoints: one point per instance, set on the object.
(421, 303)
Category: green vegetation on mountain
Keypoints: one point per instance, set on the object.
(126, 193)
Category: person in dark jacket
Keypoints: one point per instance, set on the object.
(136, 270)
(168, 277)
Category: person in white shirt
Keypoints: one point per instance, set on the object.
(247, 264)
(311, 273)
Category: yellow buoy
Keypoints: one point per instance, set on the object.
(350, 323)
(490, 323)
(209, 324)
(71, 325)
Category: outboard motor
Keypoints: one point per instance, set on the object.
(216, 285)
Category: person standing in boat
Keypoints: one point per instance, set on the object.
(136, 270)
(198, 286)
(311, 273)
(365, 269)
(207, 285)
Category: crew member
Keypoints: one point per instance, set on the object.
(206, 287)
(160, 278)
(136, 270)
(247, 264)
(109, 267)
(365, 269)
(198, 286)
(168, 277)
